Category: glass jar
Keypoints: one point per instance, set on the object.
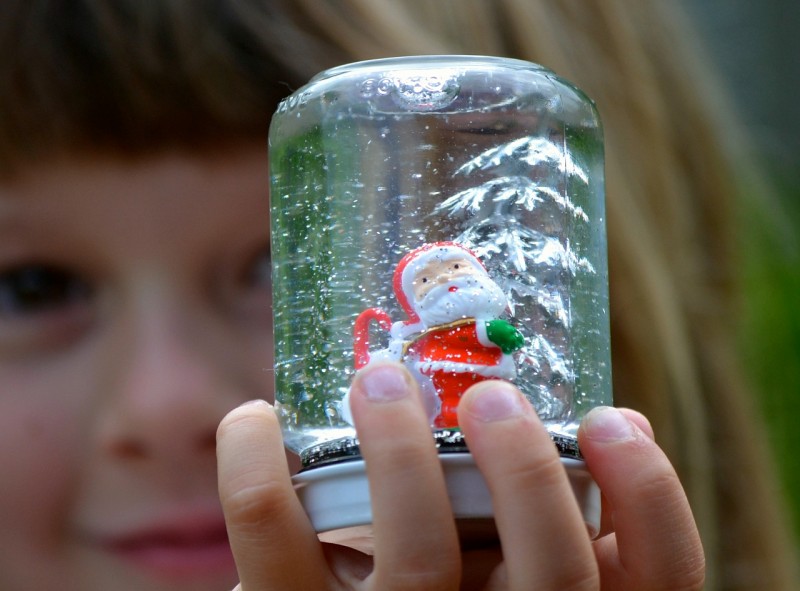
(446, 212)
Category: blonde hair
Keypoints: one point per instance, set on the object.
(141, 76)
(674, 172)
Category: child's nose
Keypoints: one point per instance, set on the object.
(176, 374)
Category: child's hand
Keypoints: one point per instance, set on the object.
(649, 540)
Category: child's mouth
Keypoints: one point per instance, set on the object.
(184, 551)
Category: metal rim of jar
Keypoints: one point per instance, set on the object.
(447, 441)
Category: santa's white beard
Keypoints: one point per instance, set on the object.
(475, 297)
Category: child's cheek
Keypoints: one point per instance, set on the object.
(39, 455)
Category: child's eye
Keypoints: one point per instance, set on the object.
(259, 270)
(38, 288)
(250, 296)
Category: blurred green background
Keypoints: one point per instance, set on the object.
(756, 46)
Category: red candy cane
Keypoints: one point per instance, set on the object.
(361, 333)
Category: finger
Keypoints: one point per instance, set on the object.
(656, 543)
(639, 420)
(416, 545)
(273, 542)
(606, 518)
(543, 535)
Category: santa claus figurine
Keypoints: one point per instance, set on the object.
(453, 336)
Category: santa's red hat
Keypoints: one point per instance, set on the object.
(413, 261)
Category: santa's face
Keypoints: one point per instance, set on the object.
(455, 288)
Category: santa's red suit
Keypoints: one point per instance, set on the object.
(455, 356)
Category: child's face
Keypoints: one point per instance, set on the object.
(134, 313)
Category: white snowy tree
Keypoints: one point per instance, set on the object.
(518, 220)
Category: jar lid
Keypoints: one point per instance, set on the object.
(336, 497)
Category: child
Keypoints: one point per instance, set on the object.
(134, 315)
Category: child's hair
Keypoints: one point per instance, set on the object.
(674, 170)
(134, 77)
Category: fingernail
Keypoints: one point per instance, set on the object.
(607, 424)
(496, 401)
(383, 383)
(256, 402)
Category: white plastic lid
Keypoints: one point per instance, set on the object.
(336, 496)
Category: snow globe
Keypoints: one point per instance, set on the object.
(446, 212)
